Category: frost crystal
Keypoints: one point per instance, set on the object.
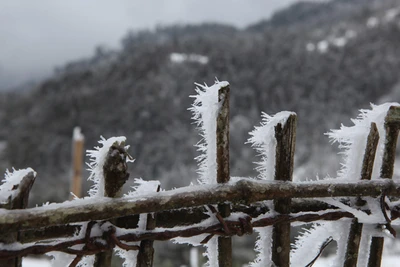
(263, 140)
(263, 247)
(97, 159)
(212, 252)
(205, 111)
(311, 241)
(353, 140)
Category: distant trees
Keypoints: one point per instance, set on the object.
(139, 92)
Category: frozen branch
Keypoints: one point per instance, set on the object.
(241, 192)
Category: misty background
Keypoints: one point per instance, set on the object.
(129, 69)
(38, 36)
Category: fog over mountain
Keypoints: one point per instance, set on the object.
(321, 60)
(37, 36)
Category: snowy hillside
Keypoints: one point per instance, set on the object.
(321, 60)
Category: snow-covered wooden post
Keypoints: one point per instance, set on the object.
(77, 162)
(392, 127)
(354, 238)
(115, 176)
(285, 147)
(145, 256)
(223, 176)
(17, 185)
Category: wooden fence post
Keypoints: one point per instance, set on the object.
(354, 238)
(223, 176)
(115, 176)
(20, 201)
(285, 147)
(392, 126)
(78, 141)
(145, 256)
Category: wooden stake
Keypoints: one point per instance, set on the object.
(145, 256)
(392, 126)
(19, 201)
(115, 176)
(77, 163)
(354, 238)
(223, 176)
(285, 147)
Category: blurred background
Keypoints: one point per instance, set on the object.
(129, 67)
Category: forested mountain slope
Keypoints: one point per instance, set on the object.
(322, 60)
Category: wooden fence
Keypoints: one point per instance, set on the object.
(54, 227)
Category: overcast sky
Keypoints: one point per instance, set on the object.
(36, 36)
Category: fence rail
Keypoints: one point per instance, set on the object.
(110, 221)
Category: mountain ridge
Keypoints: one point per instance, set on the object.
(140, 92)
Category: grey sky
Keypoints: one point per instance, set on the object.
(36, 36)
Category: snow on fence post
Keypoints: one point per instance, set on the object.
(115, 175)
(15, 189)
(392, 126)
(223, 176)
(354, 238)
(285, 147)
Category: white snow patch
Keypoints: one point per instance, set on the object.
(350, 34)
(35, 262)
(181, 58)
(323, 46)
(391, 14)
(310, 47)
(77, 134)
(339, 41)
(372, 22)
